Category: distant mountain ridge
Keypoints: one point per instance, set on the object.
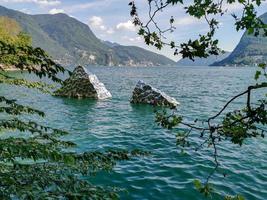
(69, 41)
(250, 50)
(202, 61)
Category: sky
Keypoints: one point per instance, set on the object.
(110, 20)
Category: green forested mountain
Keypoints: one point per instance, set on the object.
(39, 37)
(251, 50)
(69, 41)
(10, 33)
(202, 61)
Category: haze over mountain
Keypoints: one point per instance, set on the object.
(70, 41)
(202, 61)
(251, 50)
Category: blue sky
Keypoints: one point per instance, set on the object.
(110, 20)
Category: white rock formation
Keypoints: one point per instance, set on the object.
(82, 84)
(146, 94)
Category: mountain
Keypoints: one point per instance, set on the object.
(251, 50)
(39, 37)
(110, 44)
(202, 61)
(70, 41)
(129, 55)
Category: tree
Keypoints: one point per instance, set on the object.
(208, 10)
(237, 125)
(42, 165)
(10, 29)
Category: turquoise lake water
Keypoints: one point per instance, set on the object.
(166, 173)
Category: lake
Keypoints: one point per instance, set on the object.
(166, 173)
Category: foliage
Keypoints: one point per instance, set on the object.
(37, 163)
(249, 51)
(9, 28)
(208, 10)
(10, 32)
(235, 126)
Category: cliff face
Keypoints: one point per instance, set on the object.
(69, 41)
(251, 50)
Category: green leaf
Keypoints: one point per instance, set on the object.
(257, 75)
(197, 184)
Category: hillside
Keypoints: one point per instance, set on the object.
(69, 41)
(129, 55)
(10, 33)
(250, 50)
(39, 37)
(202, 61)
(126, 54)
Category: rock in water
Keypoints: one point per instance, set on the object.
(82, 84)
(146, 94)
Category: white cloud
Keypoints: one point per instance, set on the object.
(238, 6)
(233, 7)
(185, 21)
(78, 7)
(97, 22)
(126, 26)
(56, 11)
(95, 4)
(102, 27)
(47, 2)
(39, 2)
(132, 39)
(136, 39)
(110, 31)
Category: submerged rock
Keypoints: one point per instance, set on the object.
(82, 84)
(144, 93)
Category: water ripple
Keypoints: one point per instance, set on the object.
(165, 173)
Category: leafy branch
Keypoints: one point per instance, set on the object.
(38, 163)
(154, 33)
(235, 126)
